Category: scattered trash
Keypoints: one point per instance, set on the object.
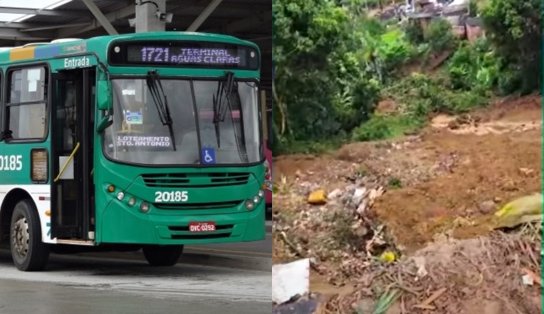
(358, 196)
(289, 280)
(533, 277)
(527, 280)
(302, 306)
(334, 194)
(420, 264)
(317, 197)
(388, 257)
(521, 210)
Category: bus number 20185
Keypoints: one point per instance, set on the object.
(171, 196)
(11, 162)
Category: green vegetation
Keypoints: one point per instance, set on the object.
(394, 183)
(333, 64)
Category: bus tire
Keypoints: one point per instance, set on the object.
(28, 252)
(162, 255)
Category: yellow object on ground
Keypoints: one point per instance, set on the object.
(388, 257)
(317, 197)
(521, 210)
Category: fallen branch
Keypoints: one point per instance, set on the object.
(427, 303)
(313, 265)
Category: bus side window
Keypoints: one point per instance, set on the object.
(26, 106)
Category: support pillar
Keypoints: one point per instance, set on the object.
(146, 16)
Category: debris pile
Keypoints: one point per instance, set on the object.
(441, 222)
(499, 271)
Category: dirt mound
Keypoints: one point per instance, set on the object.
(485, 168)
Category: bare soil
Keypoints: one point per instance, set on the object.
(443, 182)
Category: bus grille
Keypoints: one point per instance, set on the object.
(195, 180)
(197, 206)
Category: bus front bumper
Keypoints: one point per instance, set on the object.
(128, 226)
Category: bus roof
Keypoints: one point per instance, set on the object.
(99, 44)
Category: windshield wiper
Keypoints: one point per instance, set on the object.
(161, 102)
(224, 90)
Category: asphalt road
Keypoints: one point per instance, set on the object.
(75, 284)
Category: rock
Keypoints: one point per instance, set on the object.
(317, 197)
(453, 125)
(487, 207)
(361, 231)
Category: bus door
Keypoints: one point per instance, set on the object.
(72, 196)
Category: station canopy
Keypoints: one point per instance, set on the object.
(23, 22)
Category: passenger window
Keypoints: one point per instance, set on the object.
(26, 106)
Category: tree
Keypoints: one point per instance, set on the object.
(320, 87)
(513, 27)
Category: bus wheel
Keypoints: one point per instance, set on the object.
(162, 255)
(28, 252)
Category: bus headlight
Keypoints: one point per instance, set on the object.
(144, 207)
(120, 196)
(249, 205)
(254, 201)
(131, 201)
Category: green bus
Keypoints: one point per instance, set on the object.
(139, 141)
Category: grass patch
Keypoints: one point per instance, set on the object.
(384, 127)
(321, 146)
(394, 183)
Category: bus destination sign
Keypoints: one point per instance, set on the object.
(185, 54)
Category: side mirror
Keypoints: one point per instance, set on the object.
(104, 95)
(104, 123)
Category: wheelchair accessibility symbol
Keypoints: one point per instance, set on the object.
(208, 156)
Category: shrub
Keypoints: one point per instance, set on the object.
(376, 128)
(414, 32)
(439, 35)
(474, 66)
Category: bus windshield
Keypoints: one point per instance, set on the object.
(196, 134)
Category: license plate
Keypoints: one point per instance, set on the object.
(201, 226)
